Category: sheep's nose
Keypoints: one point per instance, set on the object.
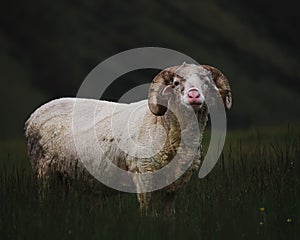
(194, 97)
(193, 94)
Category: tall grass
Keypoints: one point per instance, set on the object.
(252, 193)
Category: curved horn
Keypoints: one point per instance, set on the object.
(156, 101)
(222, 84)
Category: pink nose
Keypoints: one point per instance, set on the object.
(194, 97)
(193, 94)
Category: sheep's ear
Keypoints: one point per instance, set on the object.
(168, 90)
(228, 100)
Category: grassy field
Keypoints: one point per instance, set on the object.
(252, 193)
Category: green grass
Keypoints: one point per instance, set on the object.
(252, 193)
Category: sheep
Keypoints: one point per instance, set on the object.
(174, 93)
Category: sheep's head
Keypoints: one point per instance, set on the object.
(188, 85)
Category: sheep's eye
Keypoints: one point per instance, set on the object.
(176, 82)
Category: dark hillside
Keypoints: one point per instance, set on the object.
(47, 48)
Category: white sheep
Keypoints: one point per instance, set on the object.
(151, 144)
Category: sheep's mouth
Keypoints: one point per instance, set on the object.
(196, 106)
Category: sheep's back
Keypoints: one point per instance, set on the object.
(49, 134)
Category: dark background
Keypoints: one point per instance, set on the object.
(48, 47)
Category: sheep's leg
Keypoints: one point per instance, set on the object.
(169, 208)
(42, 177)
(42, 185)
(144, 200)
(143, 184)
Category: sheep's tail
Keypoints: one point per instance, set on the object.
(34, 149)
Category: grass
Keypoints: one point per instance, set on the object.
(252, 193)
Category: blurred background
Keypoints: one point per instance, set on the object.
(47, 48)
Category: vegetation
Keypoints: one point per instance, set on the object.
(252, 193)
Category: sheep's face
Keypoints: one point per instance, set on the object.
(190, 87)
(187, 85)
